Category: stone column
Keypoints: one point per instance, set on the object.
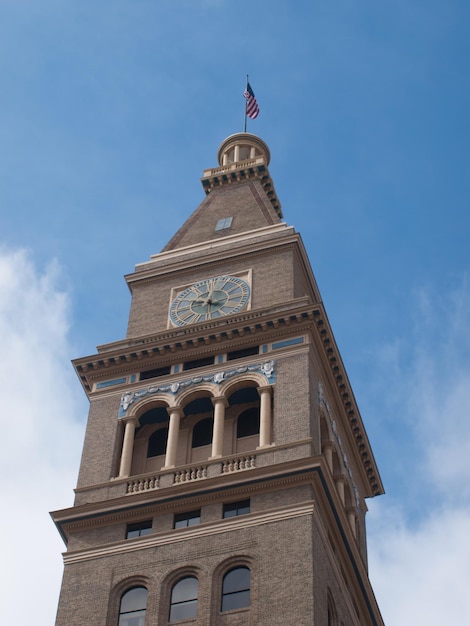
(173, 435)
(220, 404)
(339, 482)
(127, 447)
(265, 417)
(328, 452)
(351, 513)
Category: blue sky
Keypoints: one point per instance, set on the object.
(109, 113)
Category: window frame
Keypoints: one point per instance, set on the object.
(142, 612)
(176, 605)
(187, 516)
(225, 595)
(237, 508)
(223, 224)
(145, 525)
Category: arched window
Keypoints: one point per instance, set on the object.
(202, 432)
(183, 603)
(248, 423)
(236, 589)
(133, 607)
(157, 442)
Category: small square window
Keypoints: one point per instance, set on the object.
(139, 530)
(234, 509)
(191, 518)
(224, 223)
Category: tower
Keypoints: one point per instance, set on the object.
(225, 465)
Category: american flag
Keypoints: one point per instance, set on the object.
(252, 108)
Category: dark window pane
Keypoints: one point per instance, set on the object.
(161, 371)
(242, 396)
(237, 580)
(238, 600)
(236, 589)
(199, 406)
(136, 618)
(184, 599)
(202, 433)
(183, 611)
(190, 365)
(185, 590)
(134, 600)
(190, 518)
(157, 442)
(157, 415)
(248, 423)
(239, 354)
(233, 509)
(193, 521)
(244, 508)
(139, 529)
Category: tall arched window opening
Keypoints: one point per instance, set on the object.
(133, 607)
(157, 442)
(202, 433)
(183, 603)
(236, 589)
(248, 423)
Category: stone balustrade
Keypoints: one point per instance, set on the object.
(187, 474)
(191, 473)
(143, 483)
(239, 463)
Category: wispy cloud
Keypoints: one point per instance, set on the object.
(41, 438)
(420, 562)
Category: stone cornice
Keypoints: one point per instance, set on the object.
(196, 493)
(254, 242)
(203, 530)
(241, 171)
(115, 356)
(249, 327)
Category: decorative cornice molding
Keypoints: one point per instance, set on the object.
(267, 369)
(192, 532)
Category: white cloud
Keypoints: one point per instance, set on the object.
(42, 431)
(419, 550)
(422, 575)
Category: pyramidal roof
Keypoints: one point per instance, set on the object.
(240, 194)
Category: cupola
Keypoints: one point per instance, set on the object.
(242, 157)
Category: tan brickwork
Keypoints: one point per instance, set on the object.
(306, 469)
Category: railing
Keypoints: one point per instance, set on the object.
(191, 473)
(231, 167)
(238, 464)
(188, 474)
(207, 469)
(146, 483)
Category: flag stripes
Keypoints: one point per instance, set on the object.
(252, 108)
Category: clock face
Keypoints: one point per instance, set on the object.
(209, 299)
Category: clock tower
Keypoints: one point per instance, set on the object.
(226, 467)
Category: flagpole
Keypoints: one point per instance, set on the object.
(246, 106)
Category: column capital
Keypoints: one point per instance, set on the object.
(220, 400)
(171, 410)
(131, 419)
